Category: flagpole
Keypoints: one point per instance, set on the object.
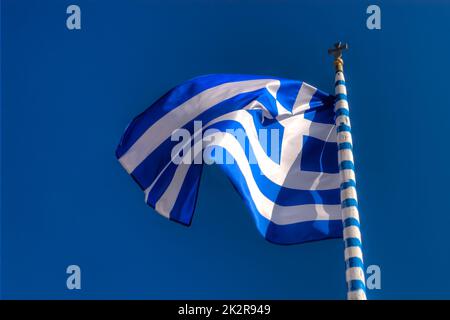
(354, 273)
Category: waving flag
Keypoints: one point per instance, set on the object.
(290, 185)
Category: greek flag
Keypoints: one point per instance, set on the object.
(285, 166)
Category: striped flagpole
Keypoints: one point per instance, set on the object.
(354, 272)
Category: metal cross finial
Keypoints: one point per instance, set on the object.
(337, 53)
(337, 50)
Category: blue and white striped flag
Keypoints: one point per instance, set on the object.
(291, 187)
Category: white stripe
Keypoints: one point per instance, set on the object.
(166, 202)
(341, 104)
(350, 212)
(339, 76)
(340, 89)
(355, 273)
(273, 90)
(356, 295)
(348, 193)
(343, 119)
(304, 96)
(344, 136)
(352, 231)
(348, 174)
(345, 155)
(181, 115)
(256, 105)
(352, 252)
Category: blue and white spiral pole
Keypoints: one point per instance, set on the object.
(354, 272)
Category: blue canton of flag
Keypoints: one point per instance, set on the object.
(293, 194)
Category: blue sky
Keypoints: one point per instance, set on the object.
(67, 96)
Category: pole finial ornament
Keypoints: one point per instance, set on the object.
(336, 51)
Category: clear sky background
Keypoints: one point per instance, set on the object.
(67, 96)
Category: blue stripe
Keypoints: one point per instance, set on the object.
(345, 145)
(347, 184)
(339, 82)
(321, 108)
(321, 99)
(351, 222)
(184, 206)
(269, 102)
(355, 285)
(354, 262)
(161, 185)
(287, 93)
(343, 127)
(349, 203)
(352, 242)
(271, 128)
(148, 170)
(347, 164)
(342, 112)
(341, 96)
(304, 231)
